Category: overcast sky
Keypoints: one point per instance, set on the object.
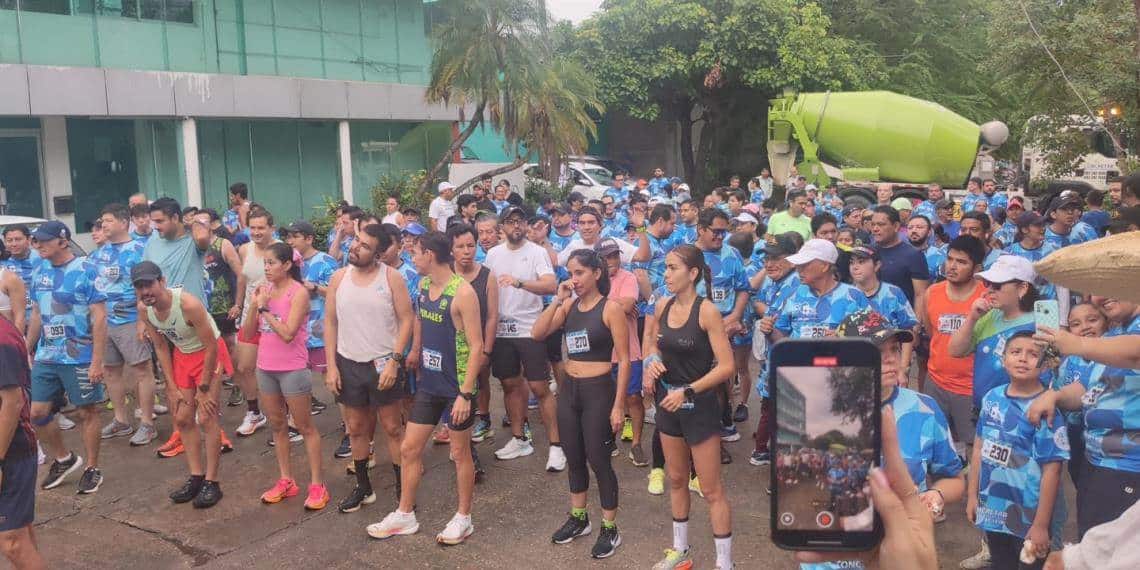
(812, 383)
(573, 10)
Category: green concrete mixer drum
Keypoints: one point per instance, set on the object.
(875, 136)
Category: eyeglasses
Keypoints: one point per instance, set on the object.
(514, 222)
(718, 233)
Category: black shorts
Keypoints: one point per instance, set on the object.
(18, 492)
(697, 424)
(514, 357)
(1103, 495)
(359, 385)
(554, 346)
(226, 325)
(429, 409)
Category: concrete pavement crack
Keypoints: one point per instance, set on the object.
(200, 556)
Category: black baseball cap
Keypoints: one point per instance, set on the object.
(511, 211)
(557, 208)
(1065, 198)
(302, 227)
(145, 272)
(50, 230)
(784, 244)
(866, 323)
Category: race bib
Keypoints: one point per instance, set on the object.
(949, 324)
(719, 294)
(577, 342)
(381, 362)
(813, 331)
(55, 332)
(996, 453)
(112, 273)
(508, 329)
(432, 360)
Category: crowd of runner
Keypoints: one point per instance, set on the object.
(651, 306)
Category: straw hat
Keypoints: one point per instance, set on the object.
(1108, 266)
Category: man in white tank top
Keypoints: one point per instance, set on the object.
(368, 330)
(260, 224)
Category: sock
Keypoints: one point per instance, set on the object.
(723, 551)
(556, 444)
(253, 407)
(197, 479)
(681, 535)
(362, 475)
(608, 524)
(577, 513)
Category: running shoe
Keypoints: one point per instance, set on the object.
(318, 497)
(556, 461)
(227, 445)
(532, 403)
(506, 421)
(759, 458)
(695, 486)
(741, 414)
(59, 471)
(656, 481)
(395, 524)
(725, 456)
(209, 496)
(283, 489)
(65, 423)
(317, 406)
(651, 415)
(350, 469)
(979, 560)
(236, 398)
(343, 450)
(456, 531)
(356, 499)
(187, 491)
(637, 456)
(729, 434)
(116, 429)
(174, 441)
(174, 451)
(482, 429)
(144, 435)
(251, 423)
(514, 449)
(608, 542)
(675, 560)
(90, 481)
(294, 437)
(442, 436)
(627, 430)
(574, 527)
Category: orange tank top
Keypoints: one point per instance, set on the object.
(955, 375)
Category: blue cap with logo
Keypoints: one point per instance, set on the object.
(51, 230)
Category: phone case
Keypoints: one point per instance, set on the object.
(1047, 314)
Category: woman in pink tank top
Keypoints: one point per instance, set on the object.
(279, 311)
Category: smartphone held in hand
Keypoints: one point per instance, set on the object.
(825, 440)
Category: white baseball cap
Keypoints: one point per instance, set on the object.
(1010, 268)
(745, 217)
(445, 185)
(814, 249)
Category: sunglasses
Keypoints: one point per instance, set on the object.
(996, 286)
(718, 233)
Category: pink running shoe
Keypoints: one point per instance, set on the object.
(318, 497)
(284, 489)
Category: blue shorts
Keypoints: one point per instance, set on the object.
(18, 492)
(741, 340)
(49, 381)
(634, 378)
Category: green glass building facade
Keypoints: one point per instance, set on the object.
(300, 99)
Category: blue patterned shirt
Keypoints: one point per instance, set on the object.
(924, 437)
(113, 264)
(891, 302)
(64, 296)
(1080, 233)
(806, 315)
(728, 277)
(935, 259)
(318, 269)
(773, 294)
(1112, 413)
(987, 340)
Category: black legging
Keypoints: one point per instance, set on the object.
(584, 406)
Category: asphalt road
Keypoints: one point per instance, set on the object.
(130, 522)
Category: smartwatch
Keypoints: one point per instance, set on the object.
(469, 396)
(690, 393)
(399, 358)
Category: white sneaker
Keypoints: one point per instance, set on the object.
(65, 424)
(456, 531)
(556, 462)
(251, 423)
(979, 560)
(651, 415)
(40, 456)
(159, 410)
(395, 524)
(516, 448)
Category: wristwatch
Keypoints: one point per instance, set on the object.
(469, 396)
(518, 283)
(399, 358)
(690, 393)
(203, 387)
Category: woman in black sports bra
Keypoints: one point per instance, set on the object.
(684, 369)
(589, 411)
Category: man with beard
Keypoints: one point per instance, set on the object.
(563, 232)
(918, 234)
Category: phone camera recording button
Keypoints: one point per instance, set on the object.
(825, 519)
(787, 519)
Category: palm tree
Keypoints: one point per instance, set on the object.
(494, 57)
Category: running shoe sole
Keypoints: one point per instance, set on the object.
(70, 470)
(759, 462)
(367, 501)
(398, 532)
(585, 532)
(453, 542)
(611, 552)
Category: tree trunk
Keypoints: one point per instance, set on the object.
(456, 145)
(519, 161)
(684, 120)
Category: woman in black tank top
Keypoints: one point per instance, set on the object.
(589, 411)
(687, 358)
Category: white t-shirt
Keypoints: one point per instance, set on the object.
(441, 210)
(627, 250)
(518, 308)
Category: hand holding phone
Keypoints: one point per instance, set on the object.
(1047, 313)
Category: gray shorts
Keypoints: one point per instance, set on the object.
(959, 412)
(289, 383)
(124, 346)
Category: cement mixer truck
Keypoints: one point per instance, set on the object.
(862, 138)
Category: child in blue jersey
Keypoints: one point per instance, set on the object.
(1086, 321)
(1014, 486)
(885, 298)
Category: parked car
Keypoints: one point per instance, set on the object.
(32, 224)
(588, 178)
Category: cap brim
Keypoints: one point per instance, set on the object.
(903, 335)
(801, 259)
(995, 276)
